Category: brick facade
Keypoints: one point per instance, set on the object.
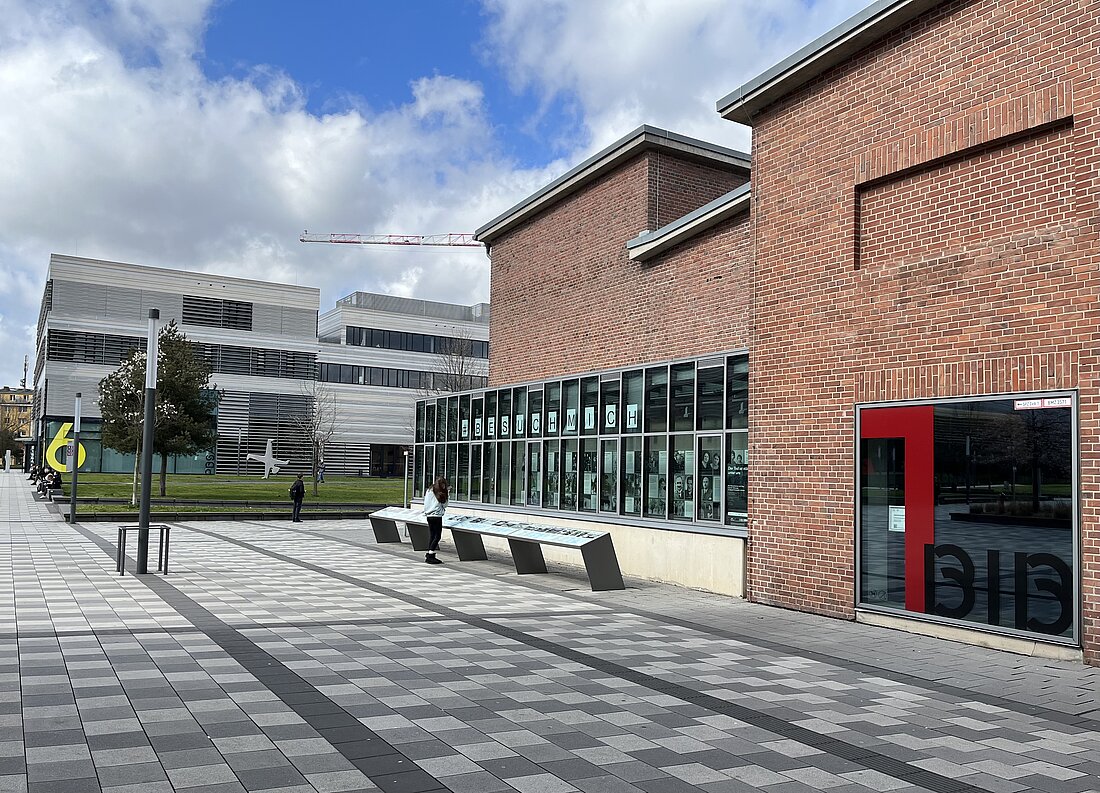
(926, 226)
(567, 298)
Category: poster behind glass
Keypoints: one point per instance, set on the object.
(737, 479)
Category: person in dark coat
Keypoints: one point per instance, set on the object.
(297, 496)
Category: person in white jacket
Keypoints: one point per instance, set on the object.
(435, 504)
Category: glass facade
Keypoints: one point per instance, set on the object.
(968, 512)
(663, 442)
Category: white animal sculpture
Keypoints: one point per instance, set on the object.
(271, 465)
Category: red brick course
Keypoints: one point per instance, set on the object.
(927, 226)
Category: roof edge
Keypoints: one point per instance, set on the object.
(645, 246)
(643, 138)
(845, 40)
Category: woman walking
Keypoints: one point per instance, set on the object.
(435, 504)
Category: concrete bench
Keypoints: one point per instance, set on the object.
(525, 541)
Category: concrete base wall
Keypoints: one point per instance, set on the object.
(700, 561)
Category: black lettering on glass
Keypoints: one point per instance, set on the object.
(964, 577)
(1061, 589)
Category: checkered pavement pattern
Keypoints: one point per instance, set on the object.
(275, 658)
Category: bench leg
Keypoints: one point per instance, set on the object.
(419, 535)
(468, 546)
(385, 530)
(602, 565)
(527, 556)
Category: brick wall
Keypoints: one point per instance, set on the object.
(567, 298)
(927, 226)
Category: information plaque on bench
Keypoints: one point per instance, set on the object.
(525, 540)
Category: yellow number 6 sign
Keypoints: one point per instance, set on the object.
(60, 440)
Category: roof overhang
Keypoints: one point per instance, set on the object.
(648, 245)
(642, 139)
(836, 46)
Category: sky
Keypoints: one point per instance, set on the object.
(208, 134)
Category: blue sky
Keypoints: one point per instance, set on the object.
(343, 52)
(207, 134)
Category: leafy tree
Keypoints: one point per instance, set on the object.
(184, 413)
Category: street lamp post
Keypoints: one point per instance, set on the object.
(74, 458)
(405, 481)
(240, 436)
(147, 442)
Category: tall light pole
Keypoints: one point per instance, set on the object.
(405, 481)
(74, 458)
(240, 436)
(147, 442)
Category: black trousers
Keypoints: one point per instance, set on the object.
(435, 531)
(297, 509)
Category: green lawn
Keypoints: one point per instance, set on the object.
(343, 490)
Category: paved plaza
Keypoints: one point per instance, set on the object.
(280, 658)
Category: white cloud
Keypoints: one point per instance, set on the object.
(117, 146)
(621, 64)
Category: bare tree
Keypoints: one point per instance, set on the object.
(456, 367)
(317, 425)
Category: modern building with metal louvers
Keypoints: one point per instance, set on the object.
(375, 355)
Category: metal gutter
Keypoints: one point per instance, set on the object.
(648, 245)
(641, 139)
(839, 44)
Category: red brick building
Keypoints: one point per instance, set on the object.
(916, 290)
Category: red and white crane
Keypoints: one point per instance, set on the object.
(449, 240)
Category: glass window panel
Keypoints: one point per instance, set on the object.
(682, 400)
(534, 414)
(489, 474)
(519, 473)
(610, 415)
(519, 412)
(656, 476)
(440, 418)
(462, 477)
(552, 424)
(737, 392)
(504, 413)
(475, 472)
(589, 475)
(631, 420)
(551, 497)
(570, 407)
(452, 463)
(504, 472)
(709, 383)
(464, 417)
(609, 475)
(683, 477)
(429, 422)
(590, 408)
(708, 493)
(632, 476)
(881, 495)
(429, 469)
(656, 399)
(491, 415)
(419, 422)
(737, 479)
(477, 407)
(570, 465)
(452, 418)
(534, 474)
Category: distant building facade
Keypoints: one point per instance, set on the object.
(261, 340)
(15, 421)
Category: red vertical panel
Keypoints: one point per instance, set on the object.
(915, 426)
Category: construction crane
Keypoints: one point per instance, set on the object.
(448, 240)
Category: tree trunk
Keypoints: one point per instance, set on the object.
(137, 463)
(316, 455)
(163, 473)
